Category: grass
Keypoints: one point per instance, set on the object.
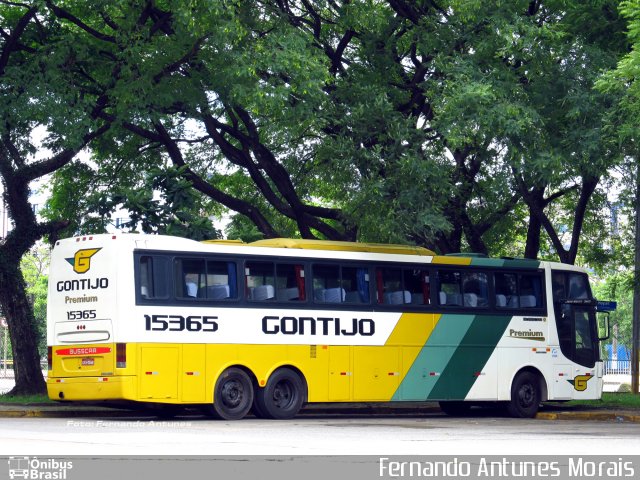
(25, 399)
(611, 400)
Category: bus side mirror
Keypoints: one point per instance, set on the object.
(605, 308)
(604, 326)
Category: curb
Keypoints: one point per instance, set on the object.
(619, 417)
(56, 412)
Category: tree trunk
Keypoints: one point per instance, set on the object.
(22, 331)
(534, 230)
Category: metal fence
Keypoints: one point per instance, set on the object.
(6, 368)
(617, 367)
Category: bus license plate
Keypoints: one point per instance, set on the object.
(87, 362)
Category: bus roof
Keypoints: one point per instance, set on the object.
(331, 245)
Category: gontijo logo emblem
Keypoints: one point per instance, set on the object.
(580, 382)
(81, 261)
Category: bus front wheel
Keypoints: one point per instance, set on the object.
(233, 394)
(282, 397)
(525, 396)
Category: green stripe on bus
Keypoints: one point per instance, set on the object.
(433, 358)
(487, 262)
(521, 263)
(505, 262)
(470, 357)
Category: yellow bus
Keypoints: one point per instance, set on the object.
(272, 325)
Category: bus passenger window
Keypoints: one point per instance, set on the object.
(559, 294)
(326, 284)
(220, 281)
(416, 282)
(290, 283)
(390, 289)
(506, 287)
(475, 289)
(260, 281)
(154, 277)
(355, 282)
(190, 277)
(449, 292)
(530, 291)
(338, 284)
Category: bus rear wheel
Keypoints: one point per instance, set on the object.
(233, 394)
(525, 396)
(282, 397)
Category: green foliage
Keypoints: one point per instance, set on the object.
(612, 400)
(618, 287)
(35, 267)
(26, 399)
(157, 200)
(415, 132)
(239, 228)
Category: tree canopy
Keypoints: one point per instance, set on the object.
(452, 124)
(308, 118)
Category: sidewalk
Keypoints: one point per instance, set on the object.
(547, 412)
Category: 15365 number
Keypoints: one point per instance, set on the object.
(81, 315)
(178, 323)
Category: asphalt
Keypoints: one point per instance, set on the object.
(99, 410)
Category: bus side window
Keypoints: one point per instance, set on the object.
(260, 281)
(449, 292)
(506, 288)
(530, 290)
(221, 281)
(390, 287)
(190, 277)
(355, 282)
(290, 283)
(327, 287)
(475, 289)
(559, 293)
(152, 280)
(416, 282)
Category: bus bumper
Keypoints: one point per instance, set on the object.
(91, 388)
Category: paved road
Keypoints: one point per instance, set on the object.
(333, 435)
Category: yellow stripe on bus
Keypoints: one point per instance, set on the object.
(443, 260)
(412, 329)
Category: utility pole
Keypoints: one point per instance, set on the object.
(635, 357)
(5, 343)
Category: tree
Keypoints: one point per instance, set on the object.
(623, 80)
(313, 116)
(172, 69)
(33, 60)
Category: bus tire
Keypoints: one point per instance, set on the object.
(455, 408)
(282, 397)
(258, 411)
(525, 396)
(233, 394)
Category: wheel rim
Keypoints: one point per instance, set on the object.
(527, 395)
(233, 393)
(283, 394)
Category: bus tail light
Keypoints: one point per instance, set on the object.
(121, 355)
(49, 358)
